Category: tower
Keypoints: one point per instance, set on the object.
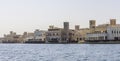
(66, 25)
(77, 27)
(113, 22)
(65, 35)
(11, 32)
(92, 23)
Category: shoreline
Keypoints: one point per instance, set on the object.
(87, 42)
(69, 43)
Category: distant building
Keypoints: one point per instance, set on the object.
(54, 35)
(62, 35)
(1, 39)
(105, 32)
(28, 37)
(96, 37)
(11, 38)
(74, 36)
(113, 32)
(40, 36)
(83, 33)
(95, 32)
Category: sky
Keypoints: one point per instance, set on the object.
(28, 15)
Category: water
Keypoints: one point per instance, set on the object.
(59, 52)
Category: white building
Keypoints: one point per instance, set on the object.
(96, 36)
(112, 33)
(40, 35)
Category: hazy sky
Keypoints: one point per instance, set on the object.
(28, 15)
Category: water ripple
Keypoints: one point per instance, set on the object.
(59, 52)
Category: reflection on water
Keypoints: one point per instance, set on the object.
(59, 52)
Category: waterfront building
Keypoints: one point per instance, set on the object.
(113, 32)
(28, 37)
(23, 37)
(95, 37)
(40, 36)
(1, 39)
(11, 38)
(105, 32)
(62, 35)
(74, 36)
(83, 32)
(66, 35)
(54, 35)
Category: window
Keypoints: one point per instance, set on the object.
(112, 31)
(117, 32)
(105, 31)
(53, 34)
(57, 34)
(80, 38)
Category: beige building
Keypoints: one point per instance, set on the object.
(25, 37)
(103, 27)
(105, 32)
(63, 35)
(94, 29)
(28, 37)
(83, 33)
(11, 38)
(54, 35)
(1, 39)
